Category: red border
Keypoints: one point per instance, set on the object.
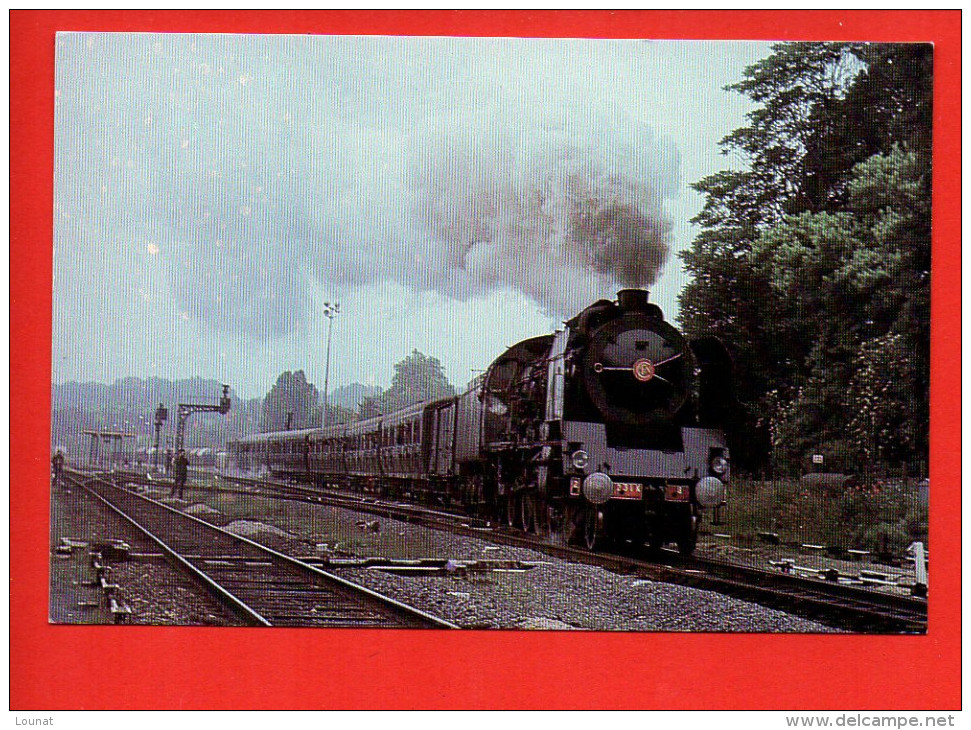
(179, 668)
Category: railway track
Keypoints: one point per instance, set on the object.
(262, 586)
(832, 603)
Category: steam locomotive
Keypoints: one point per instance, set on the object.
(610, 429)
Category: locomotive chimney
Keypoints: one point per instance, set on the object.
(630, 300)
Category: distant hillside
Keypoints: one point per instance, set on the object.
(129, 404)
(135, 394)
(350, 396)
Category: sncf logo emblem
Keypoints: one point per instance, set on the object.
(643, 369)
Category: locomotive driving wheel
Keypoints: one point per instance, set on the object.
(594, 533)
(512, 513)
(538, 515)
(529, 514)
(688, 534)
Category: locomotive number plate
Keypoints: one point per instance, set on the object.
(627, 490)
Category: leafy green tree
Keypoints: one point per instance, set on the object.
(821, 242)
(855, 293)
(797, 89)
(337, 414)
(417, 378)
(291, 403)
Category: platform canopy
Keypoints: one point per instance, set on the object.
(112, 452)
(108, 434)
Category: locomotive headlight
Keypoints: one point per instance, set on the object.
(719, 465)
(580, 459)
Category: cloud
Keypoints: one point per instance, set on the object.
(260, 167)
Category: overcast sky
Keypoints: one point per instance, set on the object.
(455, 195)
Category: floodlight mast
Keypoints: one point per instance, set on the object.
(331, 310)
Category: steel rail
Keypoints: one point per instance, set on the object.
(235, 602)
(835, 604)
(814, 597)
(249, 614)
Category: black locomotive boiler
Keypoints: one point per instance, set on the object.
(610, 429)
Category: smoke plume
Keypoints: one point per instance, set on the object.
(262, 168)
(550, 211)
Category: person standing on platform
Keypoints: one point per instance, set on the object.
(57, 467)
(180, 469)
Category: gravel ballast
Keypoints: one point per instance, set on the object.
(553, 594)
(157, 593)
(530, 590)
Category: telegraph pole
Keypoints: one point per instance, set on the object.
(331, 310)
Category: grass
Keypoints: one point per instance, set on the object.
(885, 519)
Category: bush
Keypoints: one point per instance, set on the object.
(886, 538)
(876, 518)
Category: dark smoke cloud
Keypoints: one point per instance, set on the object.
(555, 210)
(263, 168)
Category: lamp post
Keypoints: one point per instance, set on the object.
(331, 310)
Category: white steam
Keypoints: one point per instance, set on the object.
(561, 211)
(260, 168)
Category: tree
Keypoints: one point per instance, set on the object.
(798, 88)
(822, 242)
(291, 403)
(417, 378)
(856, 289)
(337, 414)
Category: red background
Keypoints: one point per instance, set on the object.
(65, 667)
